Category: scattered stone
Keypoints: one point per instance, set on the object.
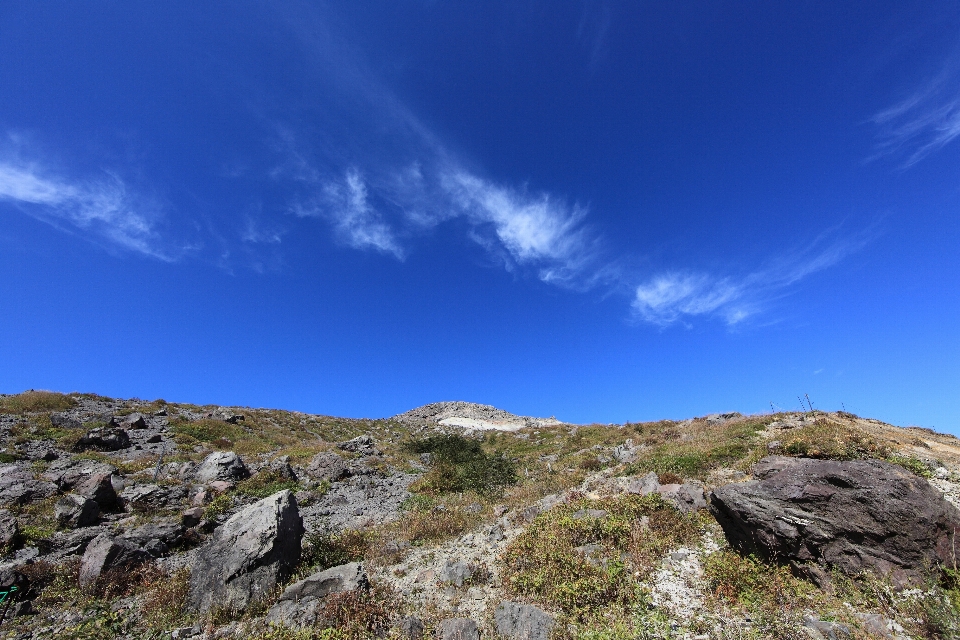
(853, 515)
(455, 572)
(410, 628)
(157, 537)
(107, 438)
(327, 465)
(687, 497)
(819, 629)
(75, 511)
(222, 465)
(220, 486)
(879, 626)
(523, 621)
(68, 472)
(459, 629)
(643, 485)
(106, 553)
(248, 556)
(9, 529)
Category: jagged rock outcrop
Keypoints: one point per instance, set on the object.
(854, 515)
(248, 556)
(686, 497)
(458, 629)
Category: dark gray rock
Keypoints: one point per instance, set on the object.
(327, 465)
(346, 577)
(65, 421)
(248, 556)
(9, 529)
(459, 629)
(855, 515)
(222, 465)
(68, 472)
(299, 603)
(167, 533)
(410, 628)
(107, 438)
(106, 553)
(145, 497)
(281, 468)
(64, 544)
(362, 445)
(523, 621)
(18, 486)
(99, 488)
(134, 421)
(75, 511)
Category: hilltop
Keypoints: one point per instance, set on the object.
(156, 519)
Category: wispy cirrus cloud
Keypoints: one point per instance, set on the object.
(678, 296)
(925, 121)
(102, 208)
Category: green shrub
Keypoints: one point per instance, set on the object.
(460, 464)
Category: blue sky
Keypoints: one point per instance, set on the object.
(603, 211)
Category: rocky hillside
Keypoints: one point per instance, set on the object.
(136, 519)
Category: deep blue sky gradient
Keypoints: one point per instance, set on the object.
(601, 211)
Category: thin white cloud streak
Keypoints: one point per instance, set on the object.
(104, 208)
(926, 121)
(678, 296)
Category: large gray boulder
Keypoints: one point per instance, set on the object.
(18, 486)
(222, 465)
(327, 465)
(523, 621)
(248, 556)
(853, 515)
(300, 602)
(106, 553)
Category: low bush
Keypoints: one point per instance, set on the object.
(325, 549)
(831, 440)
(459, 464)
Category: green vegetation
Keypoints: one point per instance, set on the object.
(459, 464)
(581, 561)
(828, 439)
(266, 483)
(36, 401)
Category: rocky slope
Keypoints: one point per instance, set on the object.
(136, 519)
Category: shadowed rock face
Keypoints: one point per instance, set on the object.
(854, 516)
(249, 555)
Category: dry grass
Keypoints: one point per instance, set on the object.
(36, 401)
